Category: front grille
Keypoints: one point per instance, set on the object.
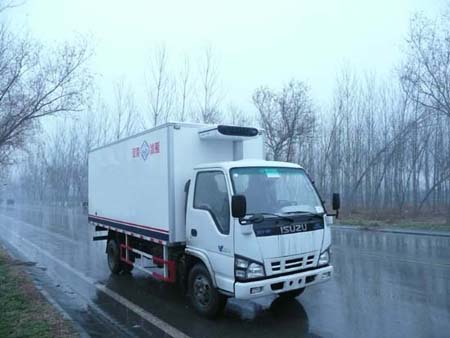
(287, 264)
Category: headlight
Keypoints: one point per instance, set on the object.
(245, 269)
(255, 270)
(324, 258)
(241, 263)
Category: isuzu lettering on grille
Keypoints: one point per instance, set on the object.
(287, 229)
(273, 230)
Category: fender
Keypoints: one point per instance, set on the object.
(326, 239)
(200, 254)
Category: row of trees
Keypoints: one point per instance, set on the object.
(191, 93)
(35, 82)
(383, 143)
(55, 169)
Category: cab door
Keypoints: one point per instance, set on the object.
(208, 224)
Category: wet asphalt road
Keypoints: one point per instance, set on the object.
(385, 285)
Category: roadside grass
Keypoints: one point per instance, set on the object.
(24, 312)
(430, 222)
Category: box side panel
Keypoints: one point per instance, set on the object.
(254, 148)
(189, 151)
(128, 184)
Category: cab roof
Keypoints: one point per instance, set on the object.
(246, 163)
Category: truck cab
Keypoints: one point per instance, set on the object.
(259, 227)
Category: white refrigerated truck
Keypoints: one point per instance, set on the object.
(198, 205)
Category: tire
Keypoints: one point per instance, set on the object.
(204, 297)
(127, 267)
(113, 254)
(292, 294)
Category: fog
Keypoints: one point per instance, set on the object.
(355, 92)
(256, 43)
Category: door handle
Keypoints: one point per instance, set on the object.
(194, 232)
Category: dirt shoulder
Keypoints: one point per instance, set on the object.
(24, 310)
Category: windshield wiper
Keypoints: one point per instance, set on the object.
(286, 218)
(304, 213)
(259, 217)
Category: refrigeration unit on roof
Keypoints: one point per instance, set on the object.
(229, 133)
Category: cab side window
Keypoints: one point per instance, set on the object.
(211, 194)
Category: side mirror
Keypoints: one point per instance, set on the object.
(238, 206)
(336, 203)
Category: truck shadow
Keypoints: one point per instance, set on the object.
(268, 318)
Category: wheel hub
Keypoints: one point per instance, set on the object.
(202, 290)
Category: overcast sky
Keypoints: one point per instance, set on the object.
(256, 42)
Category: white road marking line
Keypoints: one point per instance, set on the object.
(64, 313)
(162, 325)
(159, 323)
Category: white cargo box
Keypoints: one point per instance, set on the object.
(137, 184)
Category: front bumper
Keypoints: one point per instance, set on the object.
(280, 284)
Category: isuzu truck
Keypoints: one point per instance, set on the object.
(198, 205)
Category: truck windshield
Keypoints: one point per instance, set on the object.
(276, 190)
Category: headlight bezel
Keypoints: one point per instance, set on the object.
(242, 274)
(327, 254)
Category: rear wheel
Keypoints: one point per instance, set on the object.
(205, 298)
(112, 250)
(127, 267)
(292, 294)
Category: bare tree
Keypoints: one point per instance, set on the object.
(210, 87)
(425, 75)
(161, 88)
(8, 4)
(238, 117)
(426, 72)
(185, 89)
(35, 83)
(287, 117)
(126, 112)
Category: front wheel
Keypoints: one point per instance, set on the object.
(205, 298)
(292, 294)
